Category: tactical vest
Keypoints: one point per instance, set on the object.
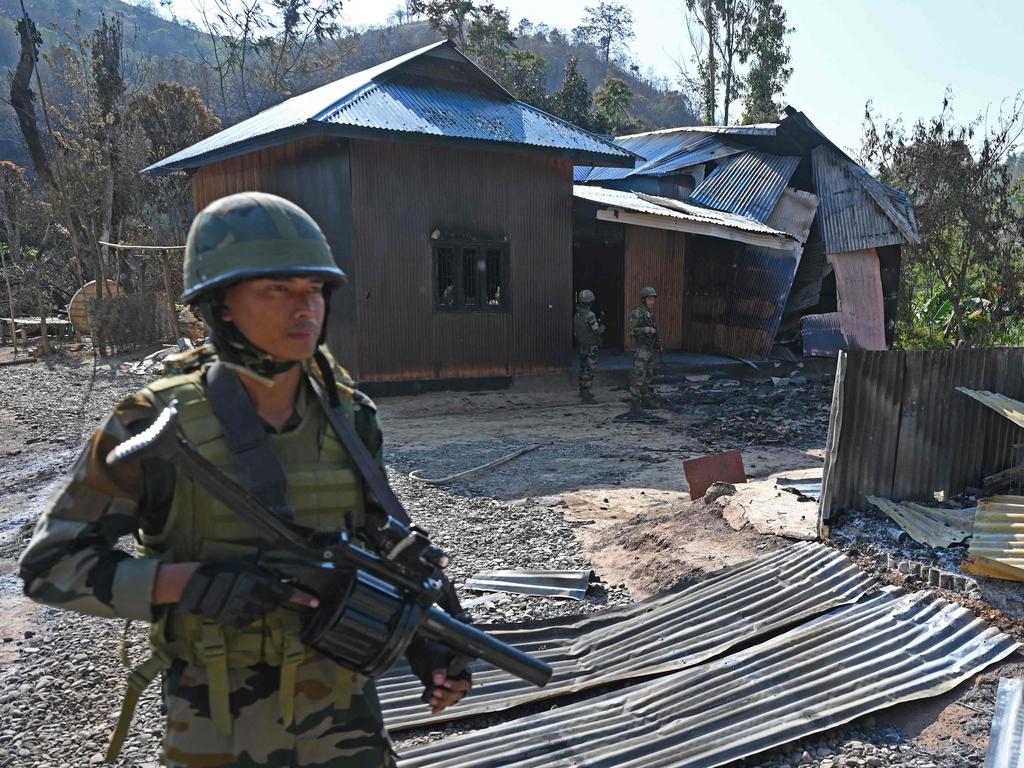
(324, 490)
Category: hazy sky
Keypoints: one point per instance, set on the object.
(900, 53)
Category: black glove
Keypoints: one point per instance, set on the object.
(425, 656)
(234, 594)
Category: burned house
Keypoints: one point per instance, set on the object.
(753, 235)
(446, 201)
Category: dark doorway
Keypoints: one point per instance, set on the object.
(598, 263)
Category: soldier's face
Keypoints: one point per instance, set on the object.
(281, 316)
(649, 302)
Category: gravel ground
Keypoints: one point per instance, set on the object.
(62, 681)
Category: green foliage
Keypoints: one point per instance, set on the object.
(964, 285)
(573, 101)
(768, 53)
(612, 102)
(606, 26)
(448, 17)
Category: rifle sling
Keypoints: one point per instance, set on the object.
(247, 439)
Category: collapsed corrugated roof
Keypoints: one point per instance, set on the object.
(749, 184)
(888, 648)
(856, 210)
(664, 152)
(997, 544)
(672, 631)
(400, 97)
(653, 211)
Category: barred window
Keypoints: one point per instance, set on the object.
(470, 275)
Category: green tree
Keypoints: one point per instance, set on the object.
(969, 269)
(572, 101)
(449, 17)
(768, 53)
(606, 26)
(525, 78)
(490, 42)
(720, 36)
(612, 101)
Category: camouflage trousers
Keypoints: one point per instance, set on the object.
(588, 366)
(326, 733)
(643, 372)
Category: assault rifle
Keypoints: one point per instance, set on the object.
(372, 604)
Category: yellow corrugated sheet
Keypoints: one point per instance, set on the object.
(997, 546)
(1007, 406)
(928, 525)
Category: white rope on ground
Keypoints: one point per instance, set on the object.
(475, 470)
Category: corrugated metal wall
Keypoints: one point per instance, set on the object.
(401, 193)
(734, 297)
(378, 203)
(656, 257)
(861, 304)
(314, 174)
(899, 430)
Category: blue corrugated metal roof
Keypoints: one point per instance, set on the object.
(665, 152)
(371, 101)
(748, 185)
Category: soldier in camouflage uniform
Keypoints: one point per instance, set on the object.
(240, 688)
(588, 332)
(647, 342)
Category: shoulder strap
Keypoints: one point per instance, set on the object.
(368, 467)
(247, 439)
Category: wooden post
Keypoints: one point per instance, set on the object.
(166, 263)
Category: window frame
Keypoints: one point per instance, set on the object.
(458, 246)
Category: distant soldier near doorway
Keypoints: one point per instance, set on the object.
(647, 342)
(588, 332)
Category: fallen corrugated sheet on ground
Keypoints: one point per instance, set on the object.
(1006, 742)
(929, 525)
(997, 546)
(1007, 406)
(570, 584)
(888, 648)
(669, 632)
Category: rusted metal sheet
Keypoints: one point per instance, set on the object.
(656, 257)
(861, 309)
(524, 200)
(905, 433)
(704, 471)
(932, 526)
(1006, 741)
(889, 648)
(747, 185)
(671, 631)
(569, 584)
(1007, 406)
(997, 546)
(412, 95)
(661, 212)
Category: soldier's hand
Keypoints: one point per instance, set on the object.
(235, 593)
(446, 691)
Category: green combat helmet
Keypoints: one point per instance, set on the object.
(250, 235)
(648, 291)
(586, 297)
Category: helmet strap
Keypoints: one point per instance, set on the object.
(232, 345)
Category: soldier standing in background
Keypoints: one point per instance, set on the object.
(644, 329)
(588, 332)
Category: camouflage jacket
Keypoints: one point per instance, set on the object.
(586, 328)
(639, 319)
(72, 561)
